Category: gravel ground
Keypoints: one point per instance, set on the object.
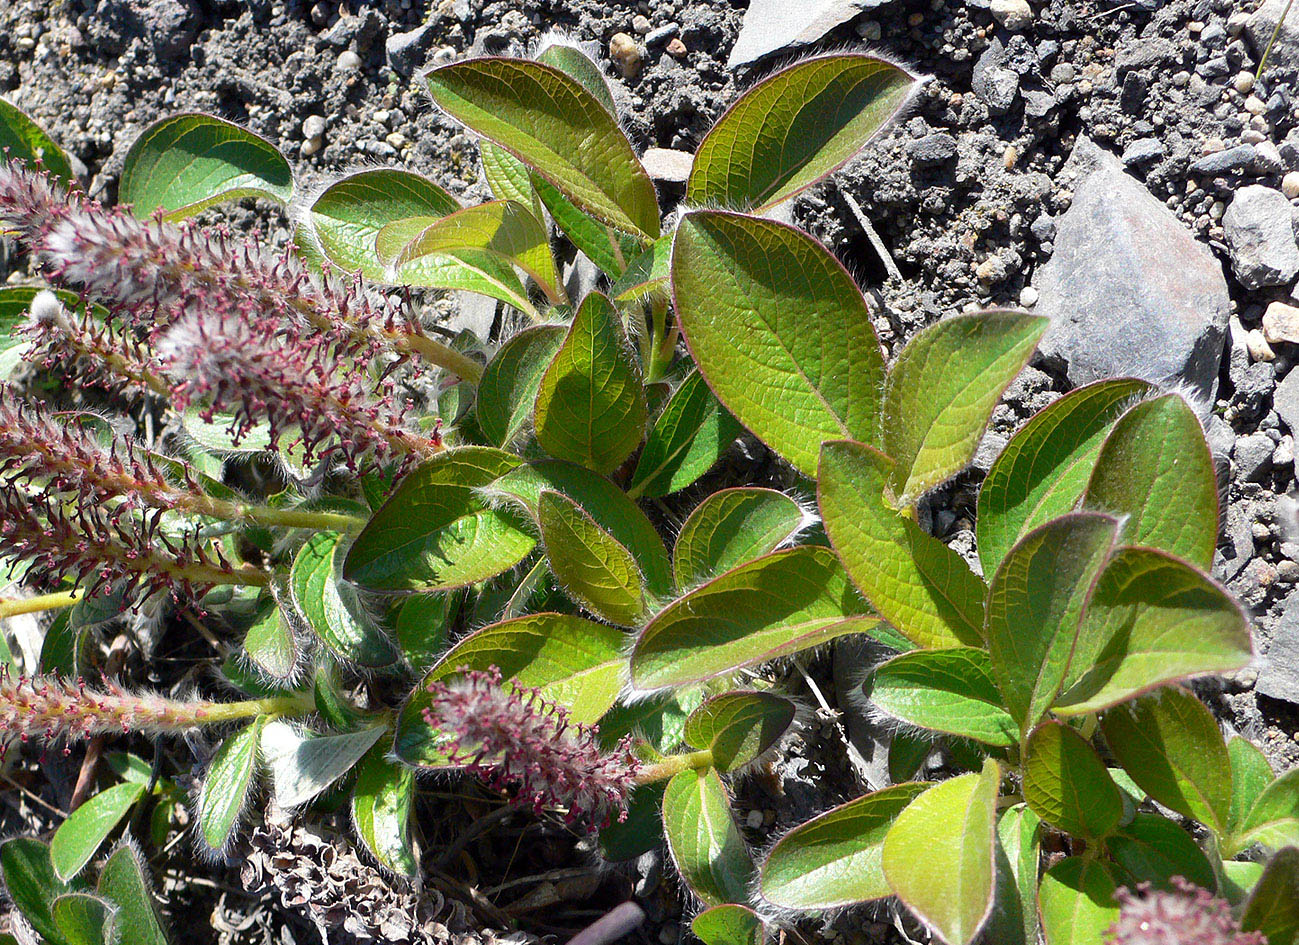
(1118, 150)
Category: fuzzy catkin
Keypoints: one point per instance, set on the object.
(1183, 915)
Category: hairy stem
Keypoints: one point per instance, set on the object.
(673, 765)
(33, 605)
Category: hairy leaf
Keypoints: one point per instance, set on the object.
(688, 437)
(589, 562)
(703, 838)
(87, 827)
(739, 726)
(729, 528)
(331, 605)
(1077, 901)
(229, 777)
(1066, 784)
(728, 924)
(381, 810)
(22, 139)
(122, 882)
(507, 390)
(949, 691)
(1273, 906)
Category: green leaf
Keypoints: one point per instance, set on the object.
(641, 832)
(225, 788)
(1044, 469)
(1239, 877)
(1014, 918)
(188, 162)
(347, 217)
(87, 827)
(728, 925)
(32, 884)
(739, 726)
(777, 605)
(1169, 742)
(914, 581)
(508, 388)
(575, 662)
(1274, 819)
(576, 64)
(1251, 773)
(421, 627)
(729, 528)
(591, 402)
(647, 276)
(1273, 906)
(703, 838)
(509, 178)
(779, 330)
(949, 691)
(1156, 472)
(1035, 602)
(436, 531)
(1151, 620)
(1153, 849)
(271, 645)
(1066, 784)
(689, 436)
(834, 859)
(939, 856)
(302, 765)
(381, 809)
(23, 140)
(82, 919)
(603, 501)
(553, 124)
(590, 563)
(122, 882)
(502, 227)
(605, 246)
(332, 607)
(1077, 902)
(941, 391)
(795, 128)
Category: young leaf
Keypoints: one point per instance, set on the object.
(271, 645)
(833, 860)
(304, 765)
(509, 178)
(1155, 470)
(1151, 620)
(122, 883)
(575, 662)
(603, 501)
(347, 217)
(688, 437)
(436, 532)
(550, 122)
(779, 330)
(87, 827)
(949, 691)
(381, 810)
(591, 402)
(501, 227)
(1169, 742)
(1077, 902)
(81, 918)
(188, 162)
(1066, 784)
(605, 246)
(939, 857)
(23, 140)
(508, 387)
(1251, 773)
(920, 586)
(1034, 604)
(1044, 469)
(421, 627)
(1274, 819)
(795, 128)
(739, 726)
(225, 788)
(1014, 918)
(331, 605)
(703, 838)
(942, 388)
(589, 562)
(772, 607)
(32, 885)
(728, 924)
(576, 64)
(647, 275)
(1273, 906)
(729, 528)
(1153, 849)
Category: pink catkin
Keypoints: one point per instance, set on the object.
(60, 710)
(1184, 915)
(515, 740)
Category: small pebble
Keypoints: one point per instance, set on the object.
(641, 25)
(625, 51)
(870, 30)
(1244, 82)
(1015, 15)
(1255, 105)
(676, 48)
(311, 146)
(348, 61)
(313, 126)
(1028, 296)
(1257, 346)
(754, 820)
(1281, 323)
(1290, 185)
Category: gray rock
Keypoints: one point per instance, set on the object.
(169, 25)
(1260, 27)
(1037, 103)
(1278, 671)
(1142, 151)
(1143, 53)
(407, 51)
(667, 164)
(1253, 456)
(474, 313)
(1285, 401)
(771, 25)
(995, 84)
(932, 149)
(1117, 306)
(1259, 228)
(1237, 546)
(1225, 162)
